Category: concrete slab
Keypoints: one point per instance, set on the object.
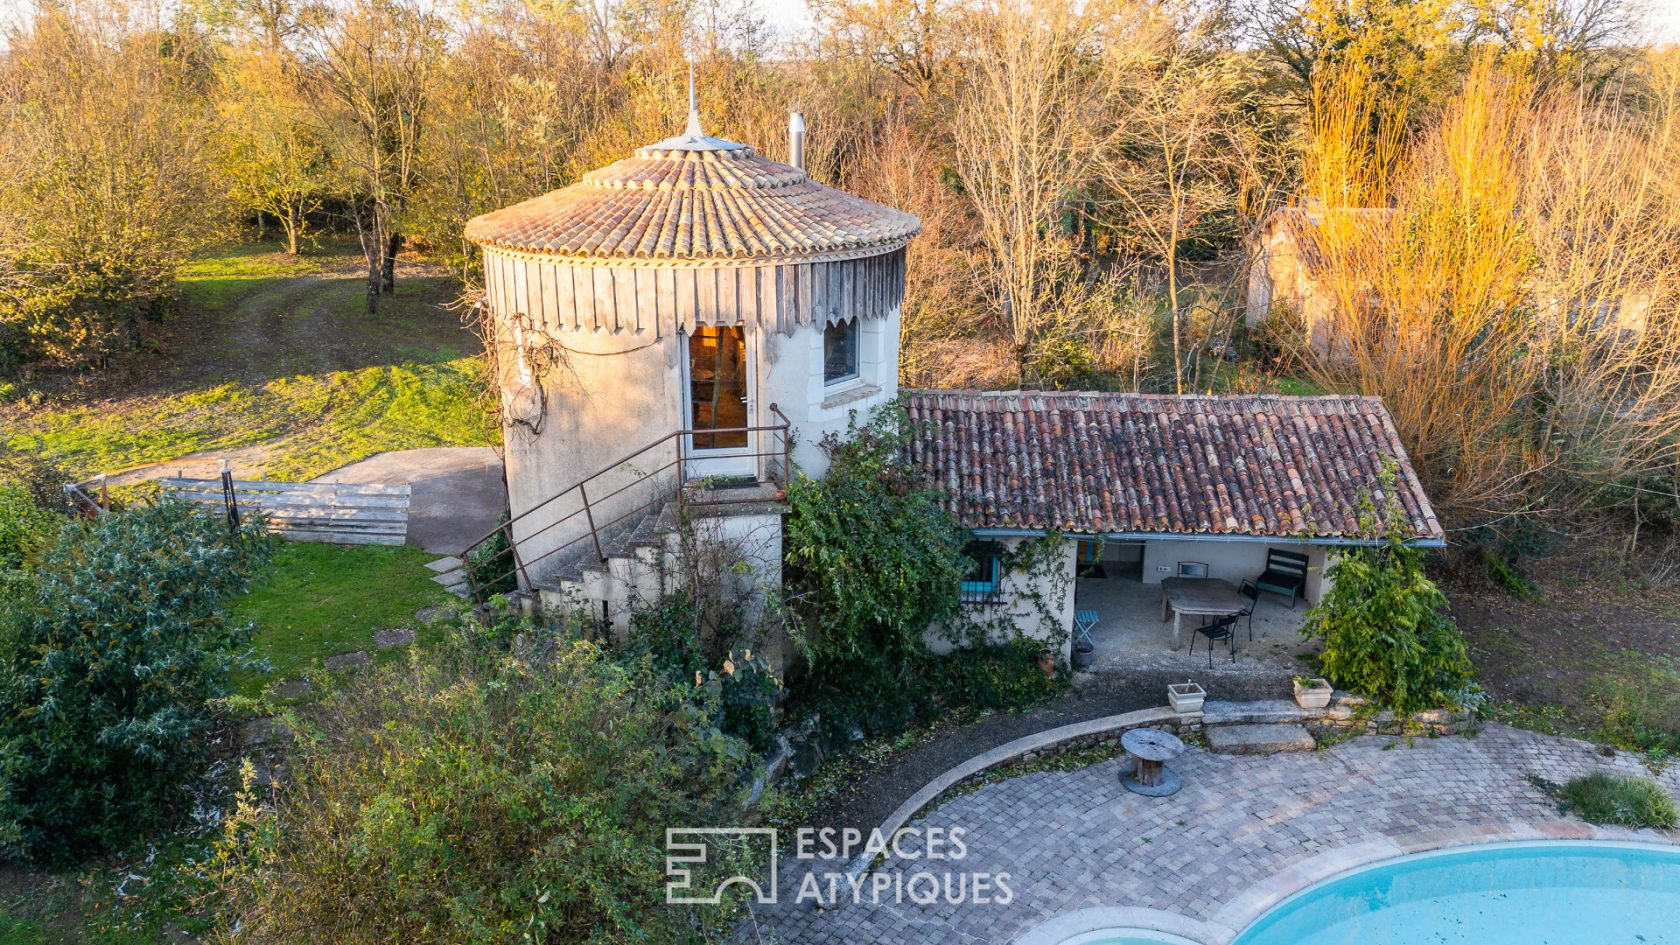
(1259, 739)
(1130, 635)
(458, 493)
(446, 563)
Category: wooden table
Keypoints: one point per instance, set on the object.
(1202, 597)
(1151, 748)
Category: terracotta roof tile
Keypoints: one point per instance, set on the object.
(666, 204)
(1091, 463)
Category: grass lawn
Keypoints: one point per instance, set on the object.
(319, 600)
(275, 355)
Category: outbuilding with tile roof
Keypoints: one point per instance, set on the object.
(1203, 503)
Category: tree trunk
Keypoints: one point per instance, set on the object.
(393, 246)
(294, 222)
(368, 231)
(1172, 294)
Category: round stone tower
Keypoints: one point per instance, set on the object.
(678, 315)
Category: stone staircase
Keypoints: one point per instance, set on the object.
(642, 560)
(451, 572)
(1256, 728)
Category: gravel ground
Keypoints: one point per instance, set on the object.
(877, 791)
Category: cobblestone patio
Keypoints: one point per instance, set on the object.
(1244, 831)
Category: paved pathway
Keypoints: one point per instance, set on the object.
(1077, 840)
(457, 497)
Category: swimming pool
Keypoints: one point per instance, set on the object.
(1524, 893)
(1498, 894)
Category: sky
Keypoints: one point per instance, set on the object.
(1666, 14)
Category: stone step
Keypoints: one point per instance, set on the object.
(1264, 712)
(441, 565)
(1259, 739)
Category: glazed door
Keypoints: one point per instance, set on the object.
(718, 388)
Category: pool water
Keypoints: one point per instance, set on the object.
(1499, 894)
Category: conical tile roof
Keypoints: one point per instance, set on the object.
(695, 198)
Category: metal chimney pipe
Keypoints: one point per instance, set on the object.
(796, 140)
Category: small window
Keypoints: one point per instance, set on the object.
(981, 582)
(840, 351)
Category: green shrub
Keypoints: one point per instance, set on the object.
(24, 525)
(741, 689)
(877, 560)
(877, 552)
(995, 676)
(493, 567)
(119, 643)
(1385, 626)
(1602, 798)
(476, 796)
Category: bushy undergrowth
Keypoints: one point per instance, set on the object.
(485, 794)
(116, 642)
(994, 676)
(1602, 798)
(1638, 698)
(24, 525)
(738, 687)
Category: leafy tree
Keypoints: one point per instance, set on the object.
(879, 561)
(275, 162)
(106, 187)
(109, 666)
(879, 556)
(479, 796)
(1384, 624)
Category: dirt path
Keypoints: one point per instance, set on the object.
(1590, 607)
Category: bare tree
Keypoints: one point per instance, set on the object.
(1174, 161)
(1023, 126)
(372, 72)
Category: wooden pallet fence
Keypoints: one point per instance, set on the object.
(342, 512)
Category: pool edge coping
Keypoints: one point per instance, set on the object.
(1248, 907)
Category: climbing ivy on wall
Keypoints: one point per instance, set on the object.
(1039, 582)
(877, 562)
(878, 557)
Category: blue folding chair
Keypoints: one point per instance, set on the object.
(1084, 621)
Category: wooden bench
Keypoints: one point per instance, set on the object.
(1286, 573)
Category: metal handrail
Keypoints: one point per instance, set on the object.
(521, 565)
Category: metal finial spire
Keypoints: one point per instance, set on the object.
(693, 130)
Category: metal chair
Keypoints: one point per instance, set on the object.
(1221, 629)
(1250, 591)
